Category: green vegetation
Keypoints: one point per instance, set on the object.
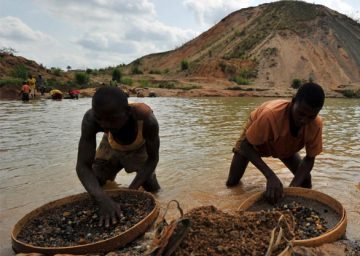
(351, 93)
(20, 71)
(270, 51)
(189, 87)
(248, 73)
(167, 85)
(81, 78)
(116, 74)
(7, 50)
(11, 81)
(127, 81)
(155, 71)
(240, 80)
(135, 70)
(145, 84)
(56, 71)
(184, 65)
(296, 83)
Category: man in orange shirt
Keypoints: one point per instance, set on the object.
(25, 91)
(281, 128)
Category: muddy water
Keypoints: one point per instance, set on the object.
(38, 148)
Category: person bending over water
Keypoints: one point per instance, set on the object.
(130, 141)
(281, 128)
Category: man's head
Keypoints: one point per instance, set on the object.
(111, 108)
(307, 103)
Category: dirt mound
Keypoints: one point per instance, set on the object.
(282, 41)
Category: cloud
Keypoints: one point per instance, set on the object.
(209, 12)
(127, 29)
(84, 12)
(12, 28)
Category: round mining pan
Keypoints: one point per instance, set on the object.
(335, 212)
(101, 246)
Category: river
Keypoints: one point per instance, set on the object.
(38, 150)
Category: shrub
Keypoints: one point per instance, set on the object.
(81, 78)
(184, 65)
(167, 85)
(8, 50)
(351, 93)
(248, 73)
(296, 83)
(56, 71)
(116, 75)
(156, 71)
(240, 80)
(126, 80)
(136, 71)
(20, 71)
(89, 71)
(144, 83)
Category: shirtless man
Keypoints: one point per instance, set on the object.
(131, 141)
(280, 129)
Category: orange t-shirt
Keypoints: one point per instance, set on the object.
(25, 88)
(269, 132)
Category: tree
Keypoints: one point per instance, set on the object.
(8, 50)
(68, 68)
(116, 75)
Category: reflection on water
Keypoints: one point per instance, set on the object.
(38, 149)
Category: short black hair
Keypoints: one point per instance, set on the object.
(106, 96)
(312, 94)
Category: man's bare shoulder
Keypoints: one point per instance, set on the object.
(89, 124)
(141, 111)
(151, 126)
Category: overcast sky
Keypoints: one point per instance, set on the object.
(101, 33)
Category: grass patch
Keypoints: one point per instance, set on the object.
(189, 87)
(127, 81)
(167, 85)
(20, 71)
(155, 71)
(351, 93)
(240, 80)
(11, 81)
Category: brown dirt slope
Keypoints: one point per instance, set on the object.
(270, 45)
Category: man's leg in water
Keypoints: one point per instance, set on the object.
(293, 163)
(151, 184)
(237, 169)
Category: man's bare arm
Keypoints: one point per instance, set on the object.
(151, 136)
(274, 188)
(303, 171)
(86, 155)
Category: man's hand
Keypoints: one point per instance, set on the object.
(274, 190)
(109, 211)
